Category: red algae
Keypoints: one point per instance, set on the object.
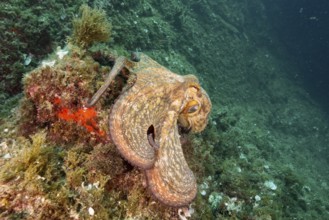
(84, 116)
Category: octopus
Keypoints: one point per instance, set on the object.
(145, 123)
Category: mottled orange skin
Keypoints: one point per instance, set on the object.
(164, 100)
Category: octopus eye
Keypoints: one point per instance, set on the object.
(193, 109)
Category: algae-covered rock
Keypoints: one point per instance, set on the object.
(55, 97)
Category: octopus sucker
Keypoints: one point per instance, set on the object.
(144, 125)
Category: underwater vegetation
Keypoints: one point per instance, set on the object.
(91, 27)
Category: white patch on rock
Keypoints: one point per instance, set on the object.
(91, 211)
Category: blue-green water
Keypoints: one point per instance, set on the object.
(301, 27)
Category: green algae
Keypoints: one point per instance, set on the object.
(91, 27)
(36, 162)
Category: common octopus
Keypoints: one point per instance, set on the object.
(144, 125)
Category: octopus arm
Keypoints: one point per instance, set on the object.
(171, 180)
(132, 117)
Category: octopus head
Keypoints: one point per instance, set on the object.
(196, 108)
